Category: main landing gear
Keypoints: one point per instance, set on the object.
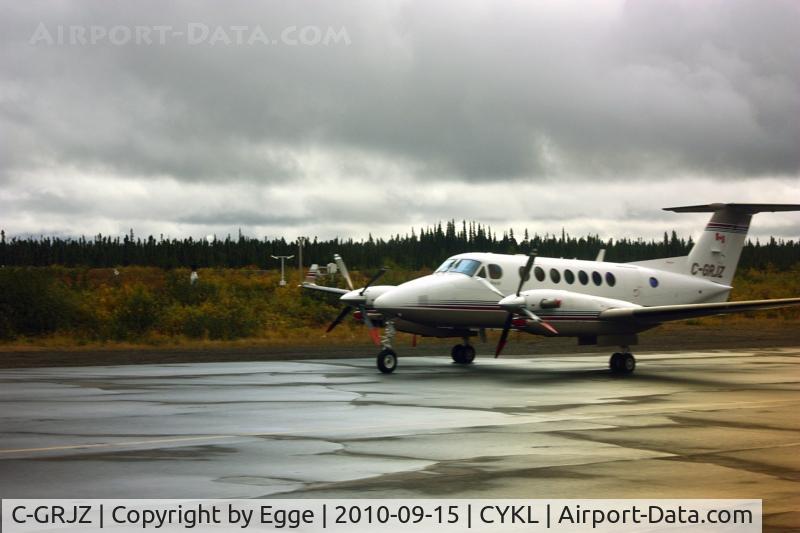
(622, 362)
(387, 358)
(463, 354)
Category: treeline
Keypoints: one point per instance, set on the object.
(423, 249)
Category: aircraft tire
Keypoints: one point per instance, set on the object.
(458, 355)
(387, 360)
(468, 355)
(622, 363)
(628, 363)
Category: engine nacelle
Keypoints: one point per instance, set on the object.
(542, 301)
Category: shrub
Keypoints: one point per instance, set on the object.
(181, 290)
(137, 311)
(33, 302)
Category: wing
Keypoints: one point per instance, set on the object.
(665, 313)
(322, 288)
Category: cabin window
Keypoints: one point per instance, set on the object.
(539, 273)
(466, 266)
(610, 279)
(555, 276)
(495, 272)
(653, 282)
(569, 277)
(597, 278)
(583, 277)
(482, 272)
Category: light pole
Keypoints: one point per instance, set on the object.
(283, 259)
(300, 257)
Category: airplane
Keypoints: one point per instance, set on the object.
(598, 302)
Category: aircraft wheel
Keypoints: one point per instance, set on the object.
(614, 362)
(458, 355)
(469, 354)
(387, 361)
(622, 363)
(628, 363)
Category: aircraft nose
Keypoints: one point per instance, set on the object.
(399, 299)
(388, 301)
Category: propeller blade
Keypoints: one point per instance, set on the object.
(341, 316)
(374, 278)
(504, 336)
(343, 269)
(549, 328)
(491, 287)
(538, 320)
(365, 317)
(373, 332)
(525, 274)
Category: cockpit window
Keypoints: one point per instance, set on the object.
(465, 266)
(482, 273)
(445, 265)
(495, 271)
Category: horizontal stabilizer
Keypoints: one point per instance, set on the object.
(665, 313)
(749, 209)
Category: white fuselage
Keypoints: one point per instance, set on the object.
(454, 297)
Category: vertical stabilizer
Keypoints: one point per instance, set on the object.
(716, 253)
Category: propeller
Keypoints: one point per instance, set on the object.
(524, 275)
(516, 304)
(355, 299)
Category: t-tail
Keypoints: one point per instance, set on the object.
(716, 254)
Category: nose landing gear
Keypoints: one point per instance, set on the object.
(387, 358)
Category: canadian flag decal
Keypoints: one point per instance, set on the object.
(720, 238)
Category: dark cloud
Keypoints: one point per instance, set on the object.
(423, 94)
(484, 92)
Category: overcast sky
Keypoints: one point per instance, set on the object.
(347, 117)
